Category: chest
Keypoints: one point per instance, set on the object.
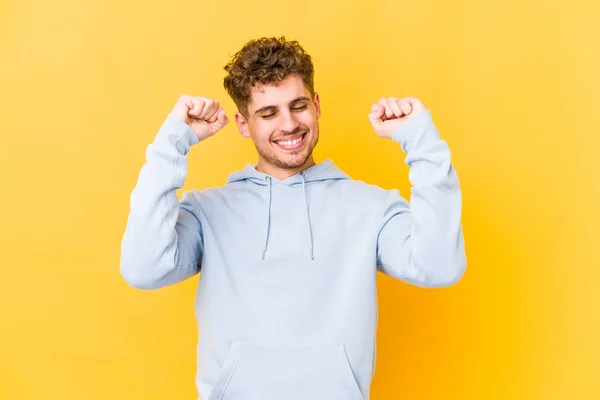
(289, 222)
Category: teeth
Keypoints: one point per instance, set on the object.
(290, 142)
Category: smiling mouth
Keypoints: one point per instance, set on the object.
(291, 143)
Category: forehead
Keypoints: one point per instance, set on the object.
(278, 94)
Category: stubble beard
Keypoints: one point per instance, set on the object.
(294, 159)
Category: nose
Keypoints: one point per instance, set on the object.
(288, 122)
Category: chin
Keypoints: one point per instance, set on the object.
(291, 164)
(293, 161)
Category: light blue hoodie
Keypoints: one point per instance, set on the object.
(287, 303)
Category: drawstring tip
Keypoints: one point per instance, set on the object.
(263, 253)
(312, 255)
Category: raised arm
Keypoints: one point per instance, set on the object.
(162, 244)
(420, 242)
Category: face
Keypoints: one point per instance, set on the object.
(283, 123)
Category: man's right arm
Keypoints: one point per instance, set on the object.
(162, 244)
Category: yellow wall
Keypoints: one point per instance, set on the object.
(513, 87)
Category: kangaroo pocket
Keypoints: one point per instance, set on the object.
(286, 372)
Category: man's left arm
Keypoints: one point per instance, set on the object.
(420, 242)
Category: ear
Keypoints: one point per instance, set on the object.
(242, 125)
(317, 102)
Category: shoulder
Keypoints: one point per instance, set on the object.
(216, 194)
(363, 189)
(359, 195)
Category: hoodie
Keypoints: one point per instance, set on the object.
(286, 303)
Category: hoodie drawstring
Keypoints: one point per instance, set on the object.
(310, 236)
(268, 217)
(312, 254)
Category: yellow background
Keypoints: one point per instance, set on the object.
(513, 87)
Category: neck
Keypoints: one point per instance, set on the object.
(283, 173)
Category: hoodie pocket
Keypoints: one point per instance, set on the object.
(283, 372)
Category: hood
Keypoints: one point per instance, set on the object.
(323, 171)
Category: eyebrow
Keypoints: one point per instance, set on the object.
(274, 108)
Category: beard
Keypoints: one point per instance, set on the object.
(291, 160)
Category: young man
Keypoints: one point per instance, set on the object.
(288, 249)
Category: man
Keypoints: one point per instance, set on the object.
(288, 249)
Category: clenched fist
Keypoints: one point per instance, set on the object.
(203, 115)
(389, 113)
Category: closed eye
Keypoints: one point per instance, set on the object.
(297, 108)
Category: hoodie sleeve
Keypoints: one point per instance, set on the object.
(421, 242)
(162, 243)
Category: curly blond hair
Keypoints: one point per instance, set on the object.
(266, 61)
